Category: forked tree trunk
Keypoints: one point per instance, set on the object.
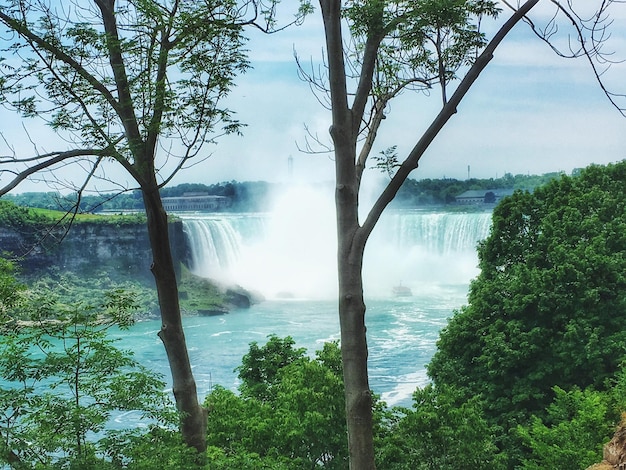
(193, 415)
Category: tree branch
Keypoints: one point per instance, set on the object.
(447, 111)
(587, 52)
(22, 29)
(375, 35)
(125, 108)
(51, 160)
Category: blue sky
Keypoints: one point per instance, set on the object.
(530, 112)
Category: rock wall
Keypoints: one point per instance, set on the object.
(614, 451)
(89, 248)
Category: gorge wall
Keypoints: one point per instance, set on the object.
(119, 250)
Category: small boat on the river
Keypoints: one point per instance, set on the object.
(402, 291)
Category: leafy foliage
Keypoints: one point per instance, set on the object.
(157, 446)
(290, 413)
(207, 55)
(10, 289)
(576, 426)
(438, 433)
(419, 44)
(387, 162)
(63, 380)
(548, 307)
(19, 218)
(260, 366)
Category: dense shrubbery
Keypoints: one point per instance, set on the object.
(289, 413)
(19, 218)
(28, 215)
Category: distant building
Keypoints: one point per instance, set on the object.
(482, 196)
(191, 202)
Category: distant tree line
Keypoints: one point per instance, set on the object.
(445, 190)
(255, 196)
(246, 196)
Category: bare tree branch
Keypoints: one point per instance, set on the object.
(588, 45)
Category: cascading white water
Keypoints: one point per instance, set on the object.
(216, 240)
(423, 250)
(441, 232)
(290, 252)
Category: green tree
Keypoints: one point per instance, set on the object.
(399, 46)
(576, 426)
(123, 82)
(548, 306)
(260, 366)
(290, 413)
(311, 398)
(63, 380)
(440, 432)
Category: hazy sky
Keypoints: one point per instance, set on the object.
(530, 112)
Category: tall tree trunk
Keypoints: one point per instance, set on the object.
(193, 415)
(354, 356)
(351, 245)
(344, 132)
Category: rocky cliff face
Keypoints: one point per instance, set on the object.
(88, 248)
(614, 451)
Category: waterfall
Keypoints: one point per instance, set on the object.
(443, 233)
(216, 240)
(424, 250)
(291, 251)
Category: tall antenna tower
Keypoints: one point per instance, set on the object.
(468, 172)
